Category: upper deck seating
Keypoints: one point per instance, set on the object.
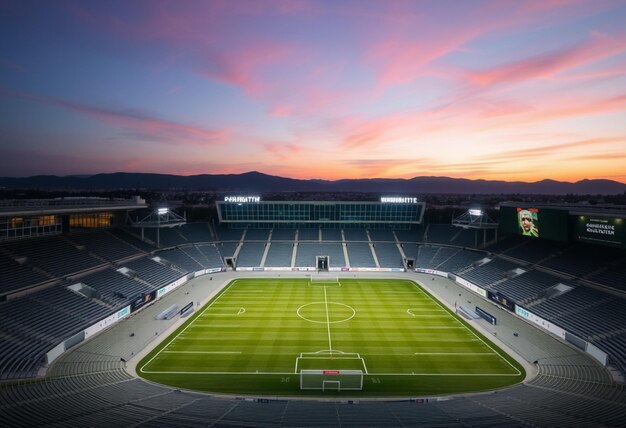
(104, 244)
(54, 255)
(154, 273)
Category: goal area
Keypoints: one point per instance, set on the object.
(331, 380)
(322, 279)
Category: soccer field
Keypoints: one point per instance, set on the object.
(258, 334)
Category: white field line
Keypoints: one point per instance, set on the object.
(183, 330)
(437, 327)
(454, 353)
(201, 352)
(371, 374)
(330, 343)
(328, 358)
(217, 325)
(429, 316)
(484, 343)
(358, 358)
(240, 310)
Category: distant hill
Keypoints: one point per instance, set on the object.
(258, 182)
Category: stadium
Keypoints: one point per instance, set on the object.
(311, 313)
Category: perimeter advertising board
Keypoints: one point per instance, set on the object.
(600, 230)
(535, 319)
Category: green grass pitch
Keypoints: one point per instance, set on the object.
(256, 335)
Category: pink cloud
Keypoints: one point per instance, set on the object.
(150, 127)
(244, 66)
(282, 151)
(550, 64)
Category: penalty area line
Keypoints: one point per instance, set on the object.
(201, 352)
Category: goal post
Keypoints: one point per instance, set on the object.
(321, 279)
(331, 380)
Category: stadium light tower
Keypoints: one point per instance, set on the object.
(477, 219)
(158, 219)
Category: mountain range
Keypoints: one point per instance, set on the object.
(257, 182)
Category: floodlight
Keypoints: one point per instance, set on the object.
(162, 211)
(475, 212)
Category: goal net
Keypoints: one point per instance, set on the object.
(332, 380)
(324, 280)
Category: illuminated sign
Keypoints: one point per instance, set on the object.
(162, 210)
(601, 230)
(123, 312)
(242, 199)
(398, 200)
(475, 212)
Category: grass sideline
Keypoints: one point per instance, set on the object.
(256, 334)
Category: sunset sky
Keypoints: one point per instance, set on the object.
(504, 90)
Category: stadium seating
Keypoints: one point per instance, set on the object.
(279, 254)
(355, 235)
(114, 287)
(225, 234)
(533, 251)
(580, 260)
(461, 261)
(251, 254)
(360, 254)
(309, 234)
(388, 255)
(382, 235)
(490, 272)
(153, 273)
(283, 234)
(527, 286)
(15, 275)
(167, 236)
(212, 254)
(55, 255)
(332, 235)
(196, 232)
(104, 244)
(130, 238)
(257, 234)
(440, 233)
(181, 260)
(613, 276)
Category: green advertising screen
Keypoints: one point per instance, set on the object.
(600, 230)
(534, 222)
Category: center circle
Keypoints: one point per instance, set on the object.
(316, 312)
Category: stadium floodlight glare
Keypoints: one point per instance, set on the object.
(475, 212)
(161, 211)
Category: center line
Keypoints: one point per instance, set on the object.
(330, 343)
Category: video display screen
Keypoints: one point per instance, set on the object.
(534, 222)
(600, 230)
(528, 221)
